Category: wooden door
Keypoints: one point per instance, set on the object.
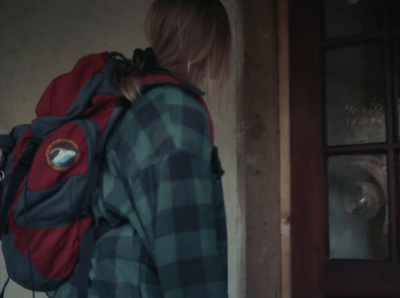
(345, 146)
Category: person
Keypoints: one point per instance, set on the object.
(161, 182)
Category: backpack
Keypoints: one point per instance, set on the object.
(48, 171)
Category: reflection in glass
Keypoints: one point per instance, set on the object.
(348, 17)
(355, 95)
(358, 207)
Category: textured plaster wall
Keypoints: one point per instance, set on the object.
(41, 39)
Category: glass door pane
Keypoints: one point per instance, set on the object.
(358, 207)
(350, 17)
(355, 95)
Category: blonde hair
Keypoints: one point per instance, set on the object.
(190, 38)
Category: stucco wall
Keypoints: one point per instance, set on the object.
(42, 39)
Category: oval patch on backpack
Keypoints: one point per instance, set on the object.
(62, 154)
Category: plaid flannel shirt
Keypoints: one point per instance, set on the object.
(162, 178)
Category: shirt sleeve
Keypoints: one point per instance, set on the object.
(189, 230)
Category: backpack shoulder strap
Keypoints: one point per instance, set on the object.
(22, 168)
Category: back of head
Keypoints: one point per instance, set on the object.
(190, 38)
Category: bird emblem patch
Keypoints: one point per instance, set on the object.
(62, 154)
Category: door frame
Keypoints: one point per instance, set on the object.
(313, 275)
(308, 218)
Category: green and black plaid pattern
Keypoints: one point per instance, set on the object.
(160, 178)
